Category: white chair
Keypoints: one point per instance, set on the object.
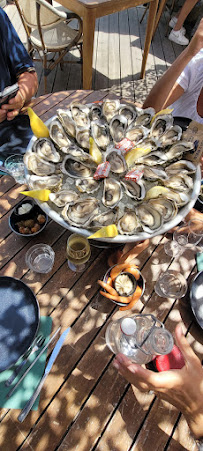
(48, 30)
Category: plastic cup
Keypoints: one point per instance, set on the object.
(40, 258)
(171, 284)
(16, 168)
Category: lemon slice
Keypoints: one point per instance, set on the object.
(105, 232)
(40, 194)
(38, 127)
(165, 111)
(135, 153)
(94, 151)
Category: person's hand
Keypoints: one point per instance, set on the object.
(2, 115)
(183, 388)
(196, 43)
(14, 105)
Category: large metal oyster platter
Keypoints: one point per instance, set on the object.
(142, 207)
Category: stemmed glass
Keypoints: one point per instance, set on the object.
(176, 247)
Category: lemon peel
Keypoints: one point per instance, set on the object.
(105, 232)
(40, 194)
(165, 111)
(39, 129)
(94, 151)
(135, 153)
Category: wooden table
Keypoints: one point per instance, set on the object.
(90, 10)
(85, 404)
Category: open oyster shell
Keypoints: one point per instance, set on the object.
(180, 166)
(59, 136)
(112, 192)
(46, 150)
(87, 185)
(83, 137)
(75, 168)
(129, 223)
(161, 123)
(80, 114)
(67, 122)
(180, 182)
(95, 112)
(100, 134)
(37, 164)
(170, 136)
(144, 116)
(149, 217)
(136, 133)
(117, 161)
(133, 189)
(52, 182)
(105, 218)
(166, 207)
(81, 212)
(118, 126)
(63, 197)
(109, 108)
(129, 111)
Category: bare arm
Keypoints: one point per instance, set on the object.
(28, 85)
(166, 90)
(182, 388)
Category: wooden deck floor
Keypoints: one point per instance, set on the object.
(118, 47)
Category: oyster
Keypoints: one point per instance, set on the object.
(129, 111)
(83, 137)
(181, 166)
(88, 185)
(118, 126)
(52, 182)
(133, 189)
(160, 124)
(63, 197)
(178, 150)
(95, 111)
(154, 173)
(112, 193)
(73, 167)
(166, 207)
(81, 212)
(109, 108)
(46, 150)
(154, 158)
(117, 161)
(150, 218)
(59, 136)
(38, 165)
(144, 116)
(136, 133)
(105, 218)
(100, 134)
(81, 155)
(170, 136)
(180, 182)
(163, 191)
(128, 224)
(80, 114)
(67, 122)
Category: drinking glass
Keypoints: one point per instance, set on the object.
(195, 231)
(78, 252)
(171, 284)
(15, 167)
(40, 258)
(176, 247)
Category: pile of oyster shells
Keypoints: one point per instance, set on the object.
(62, 163)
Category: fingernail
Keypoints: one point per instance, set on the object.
(116, 365)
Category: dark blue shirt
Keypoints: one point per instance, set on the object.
(14, 58)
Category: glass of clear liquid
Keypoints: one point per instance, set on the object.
(40, 258)
(16, 168)
(78, 252)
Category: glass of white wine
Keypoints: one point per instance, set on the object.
(78, 252)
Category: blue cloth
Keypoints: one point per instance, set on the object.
(14, 60)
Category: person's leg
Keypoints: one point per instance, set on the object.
(183, 13)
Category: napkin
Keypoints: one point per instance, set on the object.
(26, 388)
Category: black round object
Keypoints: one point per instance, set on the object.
(19, 320)
(196, 298)
(183, 122)
(33, 213)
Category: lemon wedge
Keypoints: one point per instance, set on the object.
(94, 151)
(135, 153)
(38, 127)
(165, 111)
(105, 232)
(40, 194)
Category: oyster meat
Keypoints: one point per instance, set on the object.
(180, 182)
(95, 112)
(129, 111)
(128, 224)
(181, 166)
(112, 193)
(170, 136)
(88, 185)
(67, 122)
(118, 126)
(52, 182)
(38, 165)
(100, 134)
(136, 133)
(46, 150)
(76, 168)
(150, 218)
(63, 197)
(109, 108)
(80, 114)
(133, 189)
(83, 137)
(117, 161)
(59, 136)
(105, 218)
(81, 212)
(144, 116)
(160, 124)
(166, 207)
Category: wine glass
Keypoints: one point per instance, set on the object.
(195, 231)
(176, 246)
(78, 252)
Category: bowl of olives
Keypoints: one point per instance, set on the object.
(27, 219)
